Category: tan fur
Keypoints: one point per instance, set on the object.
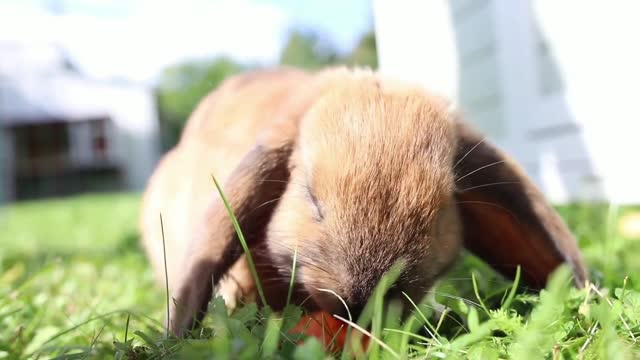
(221, 130)
(349, 171)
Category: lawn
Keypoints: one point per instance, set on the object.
(74, 283)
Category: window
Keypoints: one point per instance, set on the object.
(99, 138)
(41, 147)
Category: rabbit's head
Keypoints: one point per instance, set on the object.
(372, 184)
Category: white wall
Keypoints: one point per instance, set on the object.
(598, 56)
(136, 131)
(541, 79)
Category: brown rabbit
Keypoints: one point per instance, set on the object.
(352, 173)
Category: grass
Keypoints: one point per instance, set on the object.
(74, 283)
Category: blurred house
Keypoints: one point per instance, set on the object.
(553, 86)
(65, 133)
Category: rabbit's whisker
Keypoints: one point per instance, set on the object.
(491, 184)
(469, 152)
(480, 168)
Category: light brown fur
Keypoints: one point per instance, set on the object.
(351, 172)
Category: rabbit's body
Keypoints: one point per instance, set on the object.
(352, 173)
(221, 130)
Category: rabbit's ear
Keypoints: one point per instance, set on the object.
(252, 188)
(506, 219)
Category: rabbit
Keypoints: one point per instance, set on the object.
(350, 172)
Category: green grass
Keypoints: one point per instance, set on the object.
(74, 283)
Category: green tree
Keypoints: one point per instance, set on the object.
(307, 50)
(182, 87)
(365, 53)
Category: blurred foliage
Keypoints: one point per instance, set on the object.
(307, 50)
(310, 51)
(365, 53)
(182, 86)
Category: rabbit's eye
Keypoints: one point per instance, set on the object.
(318, 211)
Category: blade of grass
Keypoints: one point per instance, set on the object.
(409, 328)
(365, 332)
(409, 334)
(166, 277)
(89, 320)
(293, 275)
(324, 330)
(624, 322)
(245, 247)
(126, 328)
(430, 329)
(477, 293)
(93, 343)
(444, 313)
(335, 337)
(10, 312)
(271, 338)
(512, 293)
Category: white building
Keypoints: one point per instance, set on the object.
(552, 82)
(65, 133)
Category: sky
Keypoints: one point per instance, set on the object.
(135, 39)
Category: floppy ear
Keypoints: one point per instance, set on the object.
(251, 189)
(506, 219)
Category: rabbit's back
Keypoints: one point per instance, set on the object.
(221, 130)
